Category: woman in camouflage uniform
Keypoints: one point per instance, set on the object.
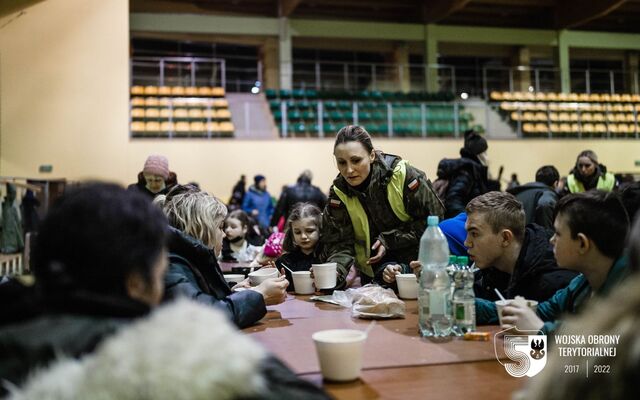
(377, 209)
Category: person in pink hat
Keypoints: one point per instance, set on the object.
(154, 176)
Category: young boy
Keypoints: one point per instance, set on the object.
(590, 231)
(513, 258)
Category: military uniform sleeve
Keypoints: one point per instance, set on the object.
(420, 201)
(337, 236)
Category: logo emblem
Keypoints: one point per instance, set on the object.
(526, 354)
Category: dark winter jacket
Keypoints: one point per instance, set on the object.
(467, 179)
(297, 261)
(183, 350)
(302, 192)
(536, 275)
(142, 188)
(34, 331)
(401, 239)
(194, 273)
(256, 199)
(539, 201)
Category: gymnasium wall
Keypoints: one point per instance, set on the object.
(64, 82)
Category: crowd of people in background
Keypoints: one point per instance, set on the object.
(558, 240)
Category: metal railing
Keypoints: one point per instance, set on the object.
(178, 71)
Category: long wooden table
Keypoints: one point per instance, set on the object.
(397, 362)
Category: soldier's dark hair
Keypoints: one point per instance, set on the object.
(94, 237)
(598, 215)
(354, 133)
(548, 175)
(300, 211)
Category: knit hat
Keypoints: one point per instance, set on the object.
(258, 178)
(474, 143)
(157, 165)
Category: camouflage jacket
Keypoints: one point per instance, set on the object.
(401, 239)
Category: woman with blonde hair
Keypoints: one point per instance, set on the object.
(196, 219)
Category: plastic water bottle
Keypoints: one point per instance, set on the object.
(464, 307)
(434, 296)
(463, 262)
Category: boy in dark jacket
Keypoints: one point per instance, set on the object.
(590, 233)
(539, 198)
(513, 258)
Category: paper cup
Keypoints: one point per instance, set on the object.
(324, 275)
(407, 286)
(235, 278)
(340, 353)
(500, 304)
(302, 282)
(259, 276)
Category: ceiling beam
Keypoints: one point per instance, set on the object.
(437, 10)
(287, 7)
(574, 13)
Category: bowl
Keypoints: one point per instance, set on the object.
(259, 276)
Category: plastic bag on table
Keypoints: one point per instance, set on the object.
(369, 301)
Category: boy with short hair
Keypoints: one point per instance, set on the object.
(513, 258)
(590, 233)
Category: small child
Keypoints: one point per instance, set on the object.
(237, 245)
(301, 240)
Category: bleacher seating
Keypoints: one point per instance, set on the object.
(177, 111)
(373, 111)
(570, 114)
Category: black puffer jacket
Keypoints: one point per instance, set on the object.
(536, 275)
(194, 272)
(302, 192)
(539, 201)
(467, 179)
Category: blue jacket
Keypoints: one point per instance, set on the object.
(453, 229)
(259, 200)
(568, 300)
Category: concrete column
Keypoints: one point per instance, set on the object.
(400, 74)
(270, 63)
(285, 54)
(431, 58)
(521, 62)
(563, 62)
(632, 60)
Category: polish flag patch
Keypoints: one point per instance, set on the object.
(335, 203)
(414, 184)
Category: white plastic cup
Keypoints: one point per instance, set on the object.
(340, 353)
(500, 304)
(302, 282)
(261, 275)
(407, 286)
(324, 275)
(235, 278)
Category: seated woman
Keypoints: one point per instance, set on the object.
(99, 263)
(195, 241)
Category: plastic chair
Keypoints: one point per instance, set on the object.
(137, 90)
(152, 113)
(223, 114)
(137, 127)
(177, 91)
(164, 91)
(205, 91)
(151, 90)
(137, 113)
(152, 102)
(137, 102)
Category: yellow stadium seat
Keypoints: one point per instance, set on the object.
(553, 116)
(563, 96)
(195, 113)
(223, 114)
(588, 128)
(594, 97)
(529, 96)
(613, 128)
(551, 96)
(164, 101)
(598, 107)
(182, 127)
(540, 96)
(565, 128)
(611, 118)
(518, 96)
(635, 98)
(208, 113)
(180, 113)
(620, 117)
(151, 102)
(226, 127)
(178, 102)
(600, 128)
(629, 117)
(217, 92)
(152, 113)
(177, 90)
(137, 102)
(554, 106)
(528, 128)
(152, 126)
(575, 127)
(573, 97)
(220, 103)
(496, 96)
(617, 107)
(164, 91)
(541, 116)
(583, 97)
(626, 98)
(586, 117)
(542, 128)
(205, 91)
(515, 116)
(137, 126)
(137, 90)
(555, 128)
(616, 97)
(137, 113)
(191, 91)
(628, 108)
(151, 90)
(540, 106)
(167, 126)
(197, 126)
(564, 116)
(165, 113)
(599, 117)
(623, 128)
(213, 126)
